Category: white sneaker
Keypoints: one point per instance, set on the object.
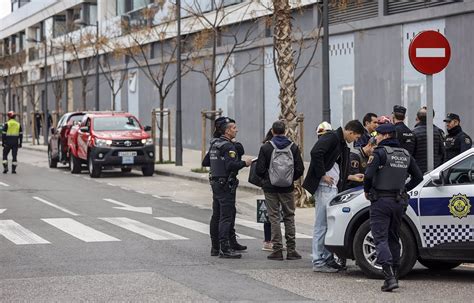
(267, 246)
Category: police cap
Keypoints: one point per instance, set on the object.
(399, 109)
(450, 117)
(385, 128)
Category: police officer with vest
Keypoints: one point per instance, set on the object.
(404, 135)
(384, 186)
(225, 164)
(12, 138)
(214, 225)
(457, 141)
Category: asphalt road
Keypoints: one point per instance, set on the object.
(67, 237)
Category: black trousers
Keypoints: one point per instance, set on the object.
(6, 151)
(222, 226)
(385, 221)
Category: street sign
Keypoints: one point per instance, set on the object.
(429, 52)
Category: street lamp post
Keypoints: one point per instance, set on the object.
(326, 85)
(179, 135)
(97, 67)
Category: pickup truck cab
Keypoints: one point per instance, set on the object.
(107, 140)
(57, 141)
(437, 229)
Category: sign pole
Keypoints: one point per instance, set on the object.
(429, 121)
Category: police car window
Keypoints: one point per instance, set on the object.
(462, 172)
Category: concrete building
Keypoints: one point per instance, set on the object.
(369, 65)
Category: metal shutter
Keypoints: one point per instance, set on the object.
(352, 10)
(396, 7)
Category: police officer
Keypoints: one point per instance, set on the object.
(384, 186)
(456, 141)
(225, 164)
(214, 225)
(12, 138)
(359, 157)
(404, 135)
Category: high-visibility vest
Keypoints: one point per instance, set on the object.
(13, 128)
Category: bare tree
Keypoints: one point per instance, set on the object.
(58, 76)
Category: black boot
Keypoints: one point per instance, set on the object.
(214, 248)
(396, 271)
(226, 252)
(5, 168)
(276, 255)
(235, 245)
(13, 169)
(390, 282)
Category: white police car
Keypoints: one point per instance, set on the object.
(437, 230)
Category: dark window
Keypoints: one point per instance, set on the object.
(396, 6)
(462, 172)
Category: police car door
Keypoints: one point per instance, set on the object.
(446, 215)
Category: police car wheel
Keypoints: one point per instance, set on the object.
(53, 163)
(438, 265)
(365, 256)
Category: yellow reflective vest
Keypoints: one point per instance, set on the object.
(13, 128)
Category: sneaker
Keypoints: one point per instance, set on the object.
(267, 246)
(334, 264)
(276, 255)
(325, 268)
(293, 255)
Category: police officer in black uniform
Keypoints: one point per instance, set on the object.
(214, 225)
(404, 135)
(359, 157)
(225, 164)
(457, 141)
(384, 186)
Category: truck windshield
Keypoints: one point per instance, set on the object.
(116, 124)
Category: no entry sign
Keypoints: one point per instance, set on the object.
(429, 52)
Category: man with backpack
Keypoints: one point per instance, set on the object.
(279, 164)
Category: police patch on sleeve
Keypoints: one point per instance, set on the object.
(459, 206)
(370, 159)
(355, 164)
(232, 154)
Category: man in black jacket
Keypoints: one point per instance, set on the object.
(404, 134)
(457, 141)
(327, 174)
(370, 122)
(280, 194)
(420, 151)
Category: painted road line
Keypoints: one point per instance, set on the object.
(55, 206)
(194, 225)
(123, 206)
(259, 226)
(430, 52)
(4, 184)
(18, 234)
(143, 229)
(79, 230)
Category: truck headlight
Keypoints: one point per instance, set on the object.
(148, 141)
(102, 142)
(344, 197)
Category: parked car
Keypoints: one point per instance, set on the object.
(437, 229)
(107, 140)
(57, 141)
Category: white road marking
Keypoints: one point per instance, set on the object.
(111, 184)
(158, 197)
(123, 206)
(79, 230)
(4, 184)
(2, 210)
(194, 225)
(143, 229)
(178, 201)
(125, 188)
(18, 234)
(55, 206)
(430, 52)
(140, 192)
(259, 226)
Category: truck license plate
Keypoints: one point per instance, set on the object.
(127, 160)
(127, 154)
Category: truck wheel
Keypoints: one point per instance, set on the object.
(126, 169)
(53, 162)
(148, 170)
(438, 265)
(94, 169)
(365, 256)
(74, 164)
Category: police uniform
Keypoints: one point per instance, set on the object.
(12, 138)
(358, 165)
(384, 184)
(457, 141)
(405, 136)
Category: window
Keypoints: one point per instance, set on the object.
(462, 172)
(116, 124)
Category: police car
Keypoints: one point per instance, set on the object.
(437, 230)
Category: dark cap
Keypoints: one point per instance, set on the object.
(451, 116)
(385, 128)
(399, 109)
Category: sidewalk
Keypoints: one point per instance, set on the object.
(192, 160)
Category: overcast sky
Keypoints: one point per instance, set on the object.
(5, 6)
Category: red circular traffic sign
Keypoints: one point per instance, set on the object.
(429, 52)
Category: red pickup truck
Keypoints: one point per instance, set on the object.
(106, 140)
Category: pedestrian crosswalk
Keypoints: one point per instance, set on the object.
(104, 229)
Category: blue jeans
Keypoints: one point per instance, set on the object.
(323, 195)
